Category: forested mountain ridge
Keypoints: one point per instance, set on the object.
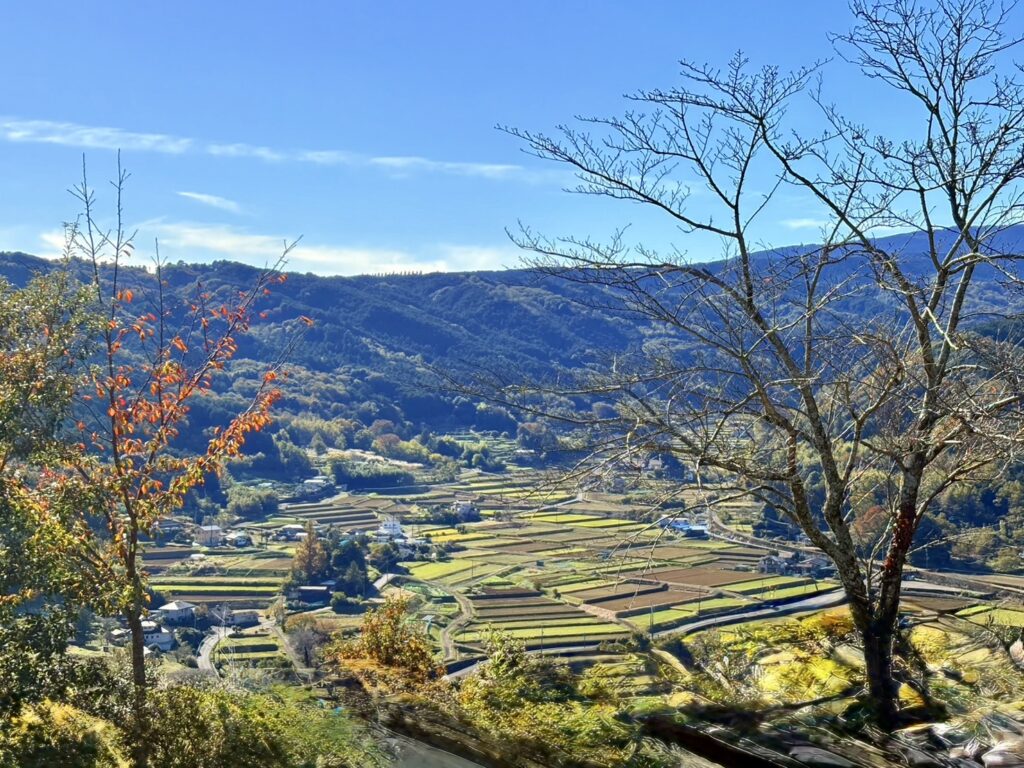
(372, 338)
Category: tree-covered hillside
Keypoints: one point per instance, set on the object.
(374, 340)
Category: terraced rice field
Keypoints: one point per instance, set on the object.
(619, 525)
(440, 570)
(767, 583)
(666, 618)
(349, 515)
(700, 577)
(247, 650)
(536, 619)
(629, 604)
(562, 518)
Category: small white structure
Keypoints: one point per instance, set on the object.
(176, 612)
(209, 535)
(390, 530)
(291, 531)
(238, 539)
(316, 484)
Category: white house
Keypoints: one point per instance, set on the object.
(390, 530)
(154, 635)
(209, 535)
(176, 612)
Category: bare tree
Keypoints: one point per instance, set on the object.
(857, 361)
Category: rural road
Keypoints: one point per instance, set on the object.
(206, 648)
(457, 623)
(813, 603)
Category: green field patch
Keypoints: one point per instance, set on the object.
(249, 645)
(611, 522)
(216, 589)
(486, 541)
(562, 517)
(457, 537)
(219, 581)
(479, 571)
(974, 610)
(1004, 617)
(667, 617)
(432, 571)
(785, 593)
(255, 656)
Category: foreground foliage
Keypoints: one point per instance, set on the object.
(192, 727)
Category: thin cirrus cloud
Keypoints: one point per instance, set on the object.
(90, 137)
(100, 137)
(213, 201)
(191, 241)
(804, 223)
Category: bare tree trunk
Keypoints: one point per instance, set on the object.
(876, 621)
(883, 687)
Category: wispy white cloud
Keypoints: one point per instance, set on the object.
(804, 223)
(90, 137)
(328, 157)
(409, 164)
(214, 201)
(95, 137)
(246, 150)
(202, 242)
(53, 242)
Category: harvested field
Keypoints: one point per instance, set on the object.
(701, 577)
(615, 591)
(628, 603)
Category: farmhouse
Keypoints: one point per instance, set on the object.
(314, 595)
(209, 535)
(773, 564)
(176, 612)
(816, 567)
(153, 636)
(291, 531)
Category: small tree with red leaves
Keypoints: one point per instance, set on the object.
(155, 359)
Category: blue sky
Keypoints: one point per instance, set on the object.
(367, 128)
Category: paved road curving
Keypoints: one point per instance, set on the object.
(812, 603)
(205, 656)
